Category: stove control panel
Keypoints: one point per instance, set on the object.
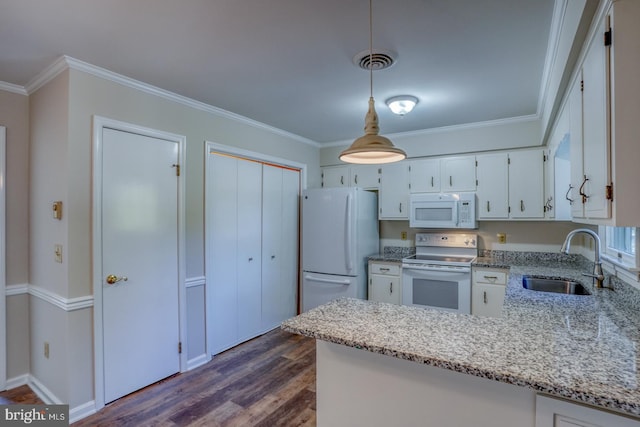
(447, 240)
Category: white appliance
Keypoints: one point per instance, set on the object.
(339, 232)
(438, 276)
(444, 210)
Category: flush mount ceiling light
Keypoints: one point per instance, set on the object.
(372, 148)
(402, 104)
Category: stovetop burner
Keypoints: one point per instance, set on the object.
(451, 249)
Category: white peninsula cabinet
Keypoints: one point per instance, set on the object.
(488, 287)
(393, 199)
(385, 282)
(604, 125)
(551, 412)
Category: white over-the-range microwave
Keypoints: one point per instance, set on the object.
(442, 210)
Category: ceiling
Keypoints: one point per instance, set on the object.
(288, 63)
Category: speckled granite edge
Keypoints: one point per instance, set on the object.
(534, 347)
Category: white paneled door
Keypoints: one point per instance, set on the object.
(139, 233)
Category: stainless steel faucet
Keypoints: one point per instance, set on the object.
(597, 275)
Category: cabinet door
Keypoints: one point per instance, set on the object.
(385, 288)
(526, 184)
(424, 176)
(365, 176)
(575, 147)
(596, 142)
(458, 174)
(552, 412)
(487, 300)
(394, 191)
(248, 270)
(493, 186)
(335, 176)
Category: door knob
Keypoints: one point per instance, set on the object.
(112, 278)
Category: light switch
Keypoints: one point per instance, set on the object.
(57, 210)
(58, 253)
(502, 238)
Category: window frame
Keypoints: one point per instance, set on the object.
(621, 259)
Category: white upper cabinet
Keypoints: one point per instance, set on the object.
(365, 176)
(424, 176)
(458, 174)
(493, 186)
(604, 121)
(526, 184)
(393, 199)
(336, 176)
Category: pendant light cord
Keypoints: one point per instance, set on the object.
(371, 48)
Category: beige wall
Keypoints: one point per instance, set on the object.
(527, 236)
(91, 95)
(61, 117)
(14, 115)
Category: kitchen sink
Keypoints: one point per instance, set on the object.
(560, 286)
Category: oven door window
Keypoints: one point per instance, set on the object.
(435, 293)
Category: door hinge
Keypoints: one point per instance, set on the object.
(509, 209)
(508, 160)
(544, 157)
(581, 85)
(607, 37)
(177, 166)
(180, 348)
(476, 182)
(476, 163)
(609, 192)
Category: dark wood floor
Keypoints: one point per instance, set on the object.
(268, 381)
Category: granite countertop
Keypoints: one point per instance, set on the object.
(583, 348)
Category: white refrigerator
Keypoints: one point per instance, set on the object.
(339, 233)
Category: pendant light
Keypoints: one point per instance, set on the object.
(372, 148)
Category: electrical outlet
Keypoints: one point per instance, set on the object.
(46, 349)
(57, 250)
(403, 235)
(502, 238)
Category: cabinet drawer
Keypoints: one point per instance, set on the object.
(383, 268)
(493, 277)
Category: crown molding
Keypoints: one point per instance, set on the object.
(10, 87)
(66, 62)
(444, 129)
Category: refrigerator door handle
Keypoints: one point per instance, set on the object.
(321, 280)
(348, 238)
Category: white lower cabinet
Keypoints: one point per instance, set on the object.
(488, 286)
(552, 412)
(385, 282)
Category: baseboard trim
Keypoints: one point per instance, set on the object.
(82, 411)
(43, 392)
(198, 361)
(18, 381)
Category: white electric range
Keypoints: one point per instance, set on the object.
(438, 276)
